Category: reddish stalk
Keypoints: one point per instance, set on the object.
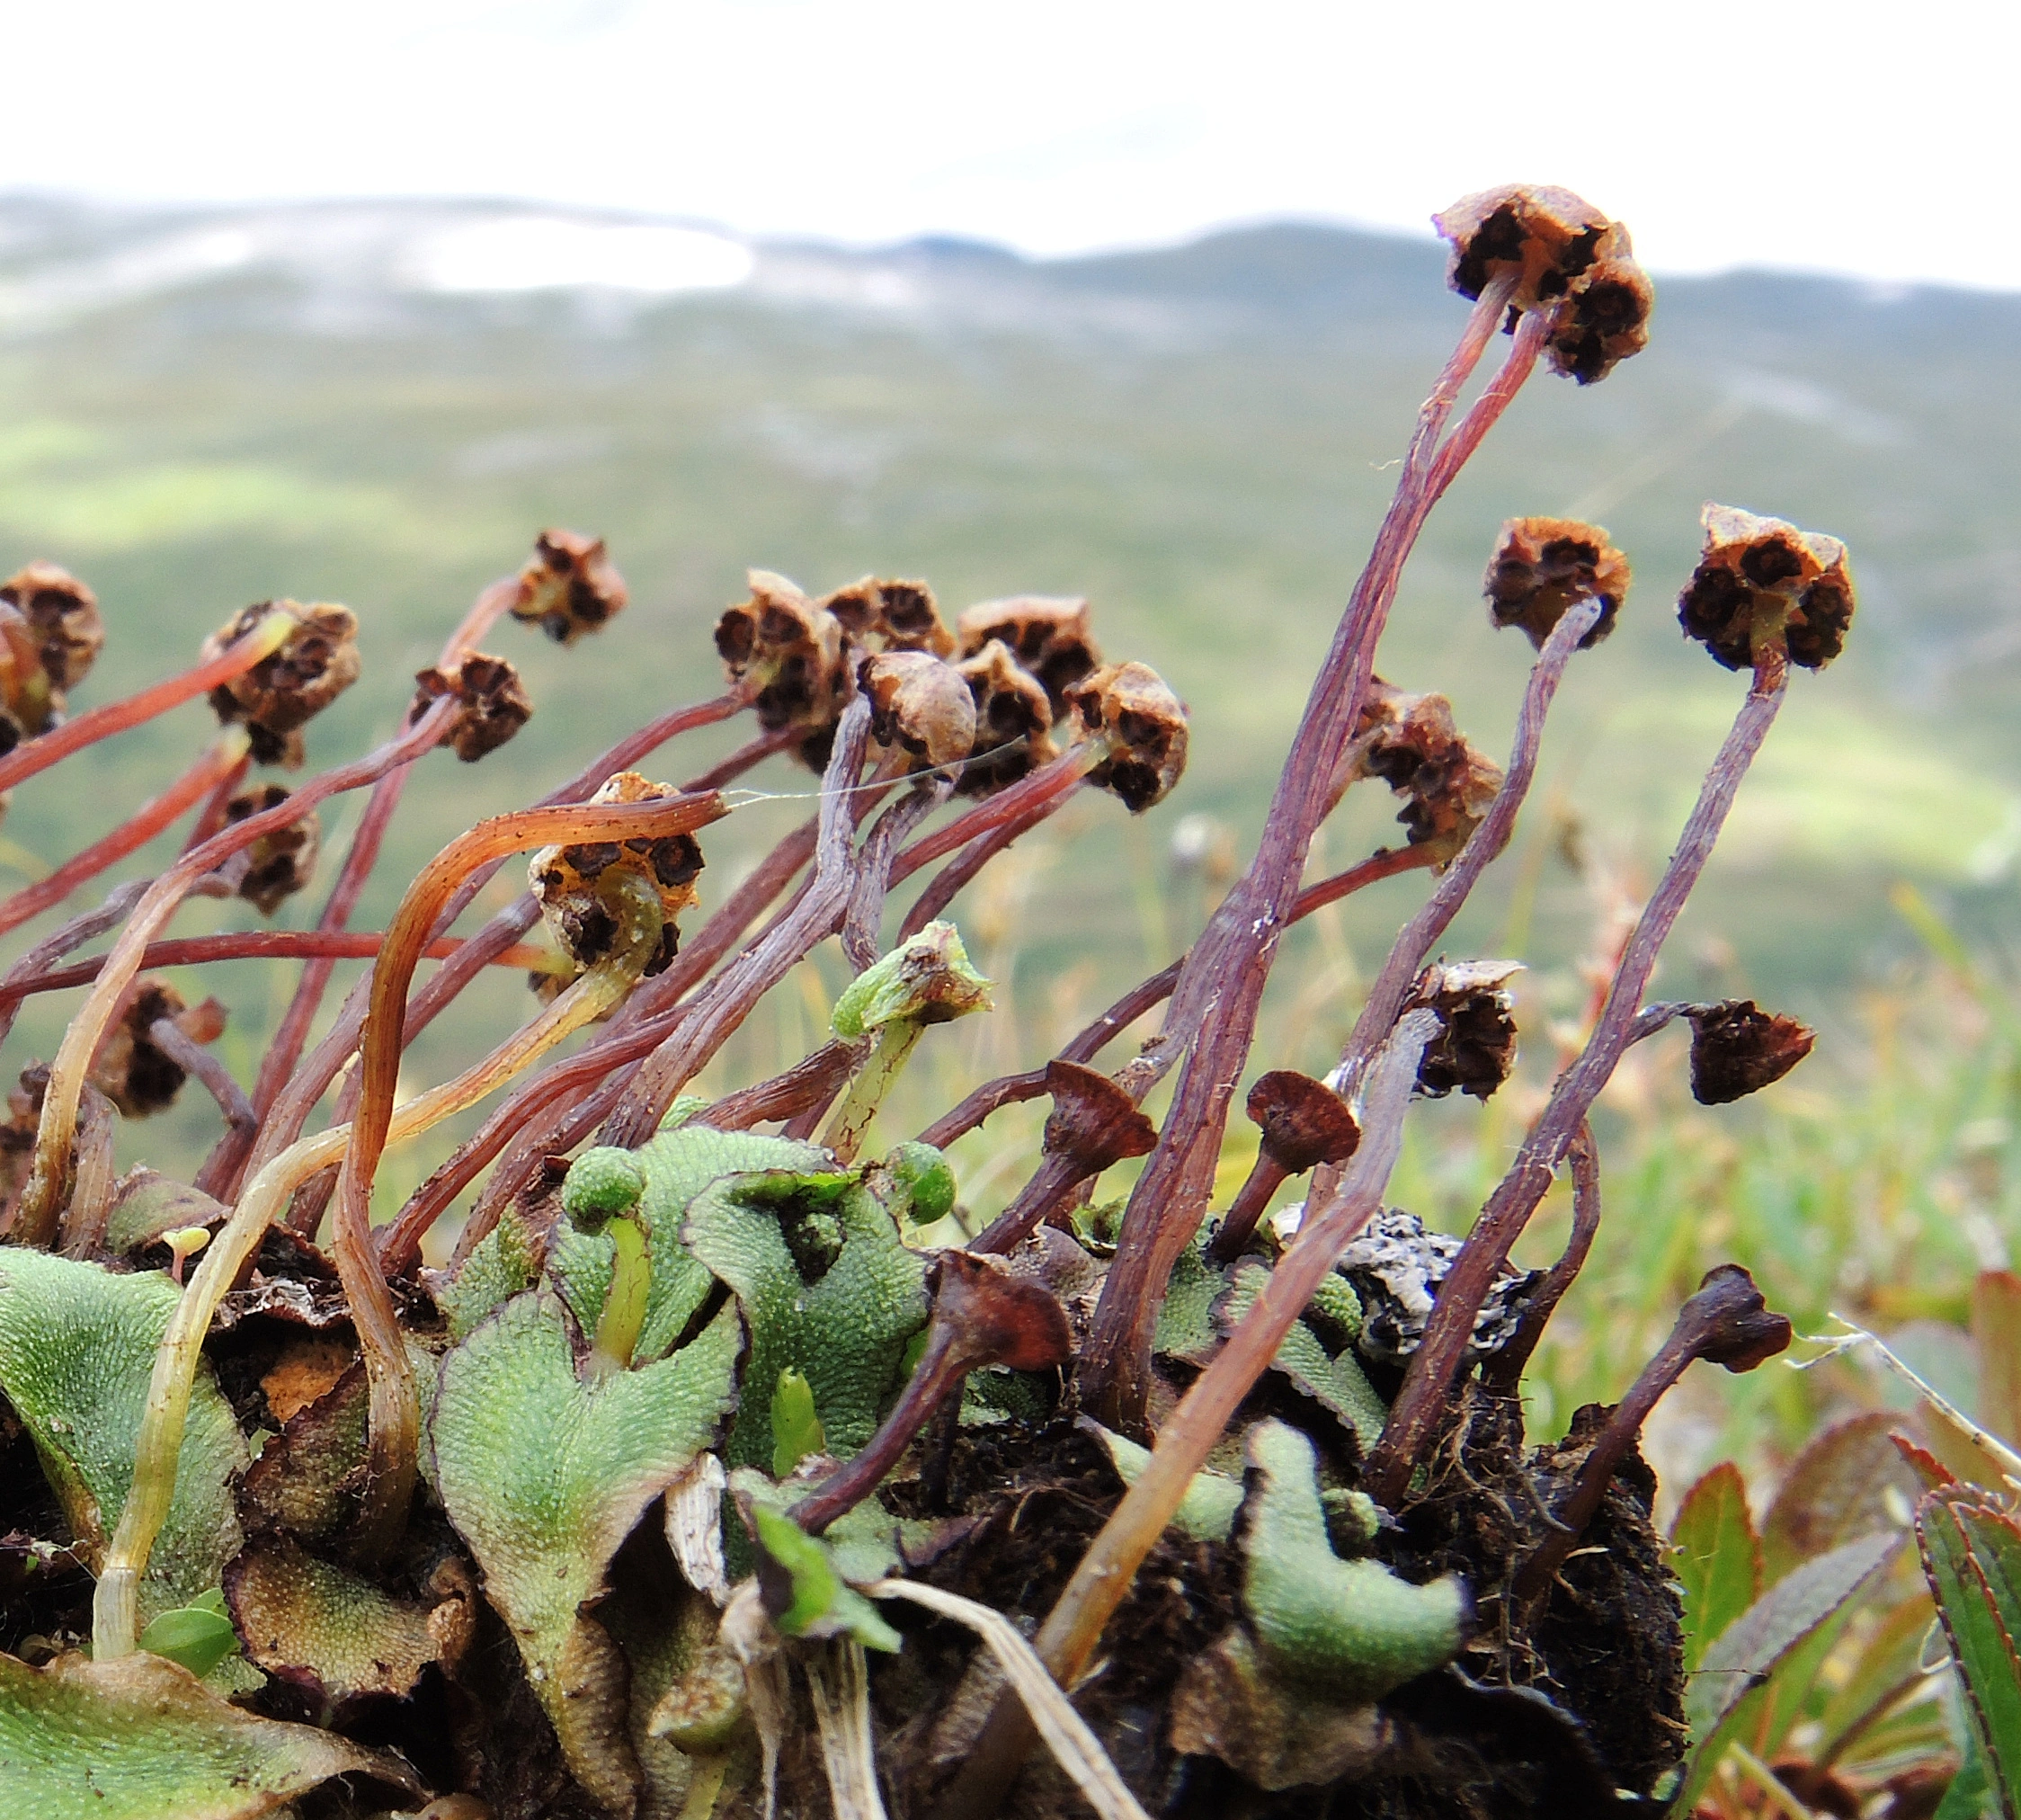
(1033, 797)
(952, 879)
(218, 807)
(219, 1174)
(223, 760)
(253, 944)
(1147, 996)
(286, 1119)
(209, 1071)
(48, 1179)
(1503, 1371)
(394, 1415)
(1428, 1382)
(1220, 987)
(519, 1117)
(1102, 1580)
(809, 1084)
(729, 999)
(38, 755)
(21, 979)
(1414, 940)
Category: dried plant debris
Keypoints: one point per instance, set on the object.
(1129, 706)
(129, 1069)
(573, 882)
(1761, 581)
(1737, 1048)
(1541, 567)
(1013, 718)
(891, 616)
(569, 587)
(1395, 1266)
(1475, 1048)
(1047, 636)
(337, 1635)
(316, 662)
(921, 706)
(1410, 742)
(48, 641)
(495, 703)
(282, 860)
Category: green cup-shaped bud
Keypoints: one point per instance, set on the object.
(927, 1180)
(601, 1183)
(927, 981)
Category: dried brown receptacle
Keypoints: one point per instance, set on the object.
(569, 587)
(1761, 580)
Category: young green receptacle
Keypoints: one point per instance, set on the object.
(928, 980)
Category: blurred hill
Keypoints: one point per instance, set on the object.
(382, 404)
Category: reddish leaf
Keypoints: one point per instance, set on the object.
(1835, 1491)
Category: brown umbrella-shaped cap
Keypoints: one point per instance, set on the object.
(1730, 1323)
(63, 616)
(891, 616)
(1047, 634)
(1304, 1123)
(1011, 710)
(1093, 1121)
(1003, 1317)
(1760, 579)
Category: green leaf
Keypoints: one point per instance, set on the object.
(77, 1348)
(1351, 1627)
(1718, 1558)
(142, 1739)
(796, 1423)
(805, 1593)
(1206, 1512)
(1747, 1655)
(679, 1164)
(501, 1265)
(1337, 1384)
(199, 1637)
(544, 1476)
(1972, 1555)
(826, 1288)
(1969, 1795)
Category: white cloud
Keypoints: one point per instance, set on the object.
(1843, 136)
(541, 253)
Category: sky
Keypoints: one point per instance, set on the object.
(1855, 138)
